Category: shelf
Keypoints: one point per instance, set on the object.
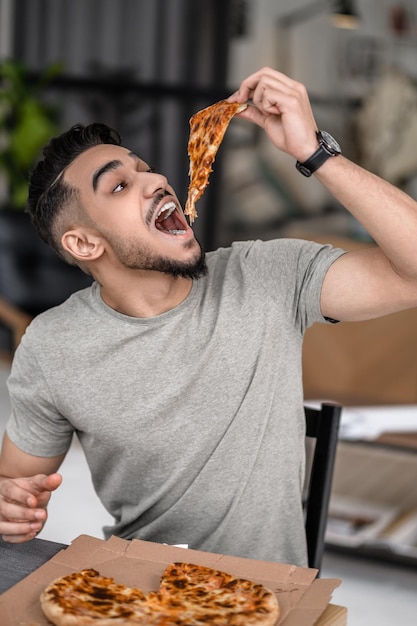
(373, 505)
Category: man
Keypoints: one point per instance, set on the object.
(184, 385)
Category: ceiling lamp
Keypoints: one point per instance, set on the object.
(344, 15)
(341, 12)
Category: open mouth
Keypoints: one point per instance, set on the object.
(168, 220)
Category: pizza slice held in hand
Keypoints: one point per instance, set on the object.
(207, 129)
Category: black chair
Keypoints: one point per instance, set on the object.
(322, 425)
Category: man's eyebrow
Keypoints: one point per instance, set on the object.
(111, 165)
(107, 167)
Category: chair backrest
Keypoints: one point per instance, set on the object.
(322, 424)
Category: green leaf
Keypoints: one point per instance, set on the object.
(33, 131)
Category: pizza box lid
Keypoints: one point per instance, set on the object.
(302, 597)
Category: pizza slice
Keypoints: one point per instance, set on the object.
(87, 599)
(219, 598)
(207, 129)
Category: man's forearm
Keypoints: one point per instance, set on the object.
(387, 213)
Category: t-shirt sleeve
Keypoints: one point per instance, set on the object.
(292, 271)
(35, 425)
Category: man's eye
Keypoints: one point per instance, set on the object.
(119, 187)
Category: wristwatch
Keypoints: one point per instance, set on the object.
(328, 148)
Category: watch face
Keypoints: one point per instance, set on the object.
(329, 142)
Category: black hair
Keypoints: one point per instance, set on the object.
(48, 193)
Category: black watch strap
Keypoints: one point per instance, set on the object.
(314, 162)
(328, 147)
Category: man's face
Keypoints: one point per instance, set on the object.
(135, 212)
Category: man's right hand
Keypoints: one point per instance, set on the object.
(23, 505)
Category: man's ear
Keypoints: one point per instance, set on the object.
(82, 245)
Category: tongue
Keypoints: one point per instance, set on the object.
(168, 224)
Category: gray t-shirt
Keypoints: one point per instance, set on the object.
(191, 421)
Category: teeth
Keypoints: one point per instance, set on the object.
(168, 208)
(164, 212)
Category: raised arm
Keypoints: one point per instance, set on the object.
(360, 284)
(26, 483)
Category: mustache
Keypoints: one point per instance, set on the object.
(155, 202)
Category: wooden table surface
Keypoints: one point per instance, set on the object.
(333, 616)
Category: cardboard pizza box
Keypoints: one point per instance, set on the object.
(302, 597)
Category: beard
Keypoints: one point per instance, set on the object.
(135, 256)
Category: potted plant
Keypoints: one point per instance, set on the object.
(27, 122)
(32, 277)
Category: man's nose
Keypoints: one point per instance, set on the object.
(154, 182)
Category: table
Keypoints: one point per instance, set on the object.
(19, 560)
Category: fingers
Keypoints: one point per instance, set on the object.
(47, 483)
(19, 523)
(282, 107)
(252, 114)
(14, 512)
(27, 491)
(19, 531)
(23, 504)
(263, 88)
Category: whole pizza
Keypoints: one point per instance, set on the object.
(189, 595)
